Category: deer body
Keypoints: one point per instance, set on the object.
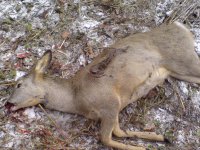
(120, 75)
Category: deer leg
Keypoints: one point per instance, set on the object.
(189, 78)
(144, 135)
(107, 126)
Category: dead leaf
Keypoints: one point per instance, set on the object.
(61, 2)
(152, 93)
(90, 52)
(65, 35)
(22, 55)
(149, 127)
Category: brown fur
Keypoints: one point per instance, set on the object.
(119, 76)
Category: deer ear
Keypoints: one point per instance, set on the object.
(43, 63)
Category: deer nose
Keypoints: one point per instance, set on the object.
(11, 99)
(9, 103)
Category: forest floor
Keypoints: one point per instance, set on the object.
(76, 31)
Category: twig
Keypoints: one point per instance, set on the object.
(62, 52)
(36, 34)
(61, 131)
(7, 84)
(182, 11)
(62, 44)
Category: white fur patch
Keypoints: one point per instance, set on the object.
(181, 26)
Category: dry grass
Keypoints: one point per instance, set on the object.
(183, 10)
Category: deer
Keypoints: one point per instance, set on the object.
(120, 75)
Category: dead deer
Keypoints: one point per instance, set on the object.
(120, 75)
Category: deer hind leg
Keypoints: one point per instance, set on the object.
(190, 72)
(144, 135)
(189, 78)
(107, 126)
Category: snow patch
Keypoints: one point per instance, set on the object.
(1, 134)
(9, 144)
(30, 113)
(196, 32)
(6, 56)
(85, 24)
(19, 74)
(183, 87)
(163, 8)
(163, 117)
(196, 99)
(14, 9)
(89, 23)
(181, 137)
(82, 60)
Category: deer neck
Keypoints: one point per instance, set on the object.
(59, 95)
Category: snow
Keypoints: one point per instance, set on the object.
(82, 60)
(30, 113)
(196, 99)
(1, 134)
(19, 74)
(85, 25)
(9, 9)
(9, 144)
(196, 32)
(181, 137)
(183, 87)
(163, 8)
(6, 56)
(163, 116)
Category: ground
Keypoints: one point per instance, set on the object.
(77, 31)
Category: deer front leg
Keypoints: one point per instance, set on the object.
(107, 126)
(144, 135)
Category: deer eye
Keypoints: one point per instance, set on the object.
(19, 85)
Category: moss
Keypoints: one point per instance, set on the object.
(2, 76)
(150, 147)
(3, 92)
(18, 8)
(161, 148)
(169, 134)
(157, 123)
(198, 133)
(12, 74)
(8, 21)
(28, 27)
(7, 74)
